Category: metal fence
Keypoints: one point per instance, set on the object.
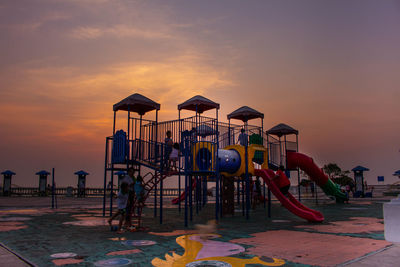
(70, 191)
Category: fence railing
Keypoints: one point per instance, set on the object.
(70, 191)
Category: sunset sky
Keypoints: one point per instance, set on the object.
(328, 68)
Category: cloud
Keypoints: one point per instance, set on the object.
(36, 23)
(118, 31)
(72, 104)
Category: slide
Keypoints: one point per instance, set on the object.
(291, 202)
(295, 159)
(182, 196)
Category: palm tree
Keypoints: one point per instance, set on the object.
(332, 170)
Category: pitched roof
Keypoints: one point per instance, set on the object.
(199, 103)
(43, 172)
(245, 113)
(359, 168)
(282, 129)
(137, 103)
(81, 173)
(8, 172)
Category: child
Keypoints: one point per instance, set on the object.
(173, 157)
(242, 139)
(256, 192)
(282, 181)
(139, 190)
(122, 200)
(168, 147)
(130, 180)
(347, 196)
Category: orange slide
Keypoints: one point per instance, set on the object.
(289, 202)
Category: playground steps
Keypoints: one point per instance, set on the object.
(137, 206)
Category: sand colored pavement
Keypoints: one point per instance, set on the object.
(9, 259)
(310, 248)
(354, 225)
(386, 258)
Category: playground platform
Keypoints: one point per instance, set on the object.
(351, 235)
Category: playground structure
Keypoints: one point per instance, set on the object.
(208, 154)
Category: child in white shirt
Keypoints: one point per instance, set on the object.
(122, 201)
(173, 156)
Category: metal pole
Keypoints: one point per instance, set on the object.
(262, 130)
(105, 179)
(156, 141)
(112, 168)
(238, 190)
(298, 172)
(247, 173)
(52, 190)
(190, 197)
(129, 130)
(269, 202)
(197, 194)
(243, 202)
(264, 195)
(229, 132)
(179, 161)
(140, 139)
(268, 150)
(280, 151)
(204, 178)
(112, 191)
(217, 178)
(186, 148)
(161, 194)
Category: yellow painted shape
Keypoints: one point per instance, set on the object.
(251, 150)
(192, 248)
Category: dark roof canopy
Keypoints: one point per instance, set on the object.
(282, 129)
(359, 168)
(245, 113)
(396, 173)
(8, 172)
(199, 103)
(43, 173)
(81, 173)
(137, 103)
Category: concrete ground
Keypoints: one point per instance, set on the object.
(351, 235)
(7, 258)
(387, 257)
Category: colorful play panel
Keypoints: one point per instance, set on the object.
(77, 237)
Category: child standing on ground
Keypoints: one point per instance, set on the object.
(122, 201)
(256, 192)
(173, 157)
(130, 180)
(139, 190)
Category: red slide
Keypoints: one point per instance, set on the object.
(291, 202)
(182, 196)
